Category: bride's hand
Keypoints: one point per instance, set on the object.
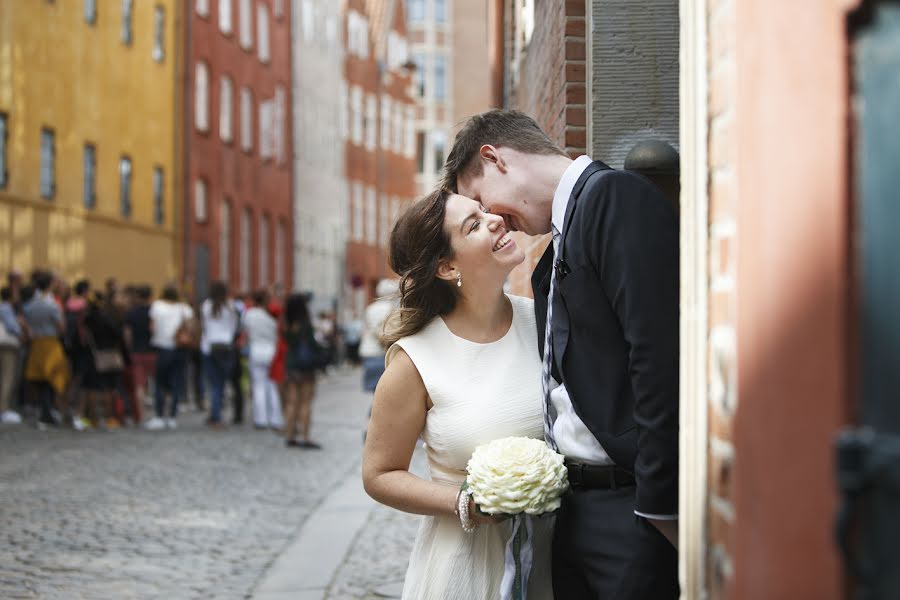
(483, 518)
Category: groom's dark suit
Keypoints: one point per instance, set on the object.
(615, 347)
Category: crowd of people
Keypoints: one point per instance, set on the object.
(85, 358)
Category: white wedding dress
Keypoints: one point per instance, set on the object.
(479, 392)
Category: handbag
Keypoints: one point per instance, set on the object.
(108, 360)
(186, 335)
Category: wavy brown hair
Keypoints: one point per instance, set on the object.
(419, 244)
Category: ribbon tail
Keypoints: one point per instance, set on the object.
(519, 559)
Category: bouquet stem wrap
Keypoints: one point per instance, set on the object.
(519, 557)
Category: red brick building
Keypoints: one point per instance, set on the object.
(238, 220)
(380, 163)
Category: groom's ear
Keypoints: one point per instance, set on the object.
(492, 155)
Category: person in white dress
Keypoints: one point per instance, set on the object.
(462, 369)
(262, 338)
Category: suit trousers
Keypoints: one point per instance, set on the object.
(602, 550)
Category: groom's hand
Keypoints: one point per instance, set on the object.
(669, 529)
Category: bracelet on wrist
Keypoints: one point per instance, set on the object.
(462, 510)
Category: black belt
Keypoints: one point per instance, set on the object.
(596, 477)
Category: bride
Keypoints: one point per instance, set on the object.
(462, 369)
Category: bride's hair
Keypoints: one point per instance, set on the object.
(419, 244)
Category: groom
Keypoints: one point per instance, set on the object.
(608, 289)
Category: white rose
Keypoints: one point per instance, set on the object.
(515, 475)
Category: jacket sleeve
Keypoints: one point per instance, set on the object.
(634, 237)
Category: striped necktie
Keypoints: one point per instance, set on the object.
(549, 411)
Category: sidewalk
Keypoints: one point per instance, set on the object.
(349, 548)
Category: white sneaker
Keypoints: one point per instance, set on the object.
(171, 424)
(155, 424)
(10, 417)
(80, 424)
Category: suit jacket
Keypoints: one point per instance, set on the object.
(615, 324)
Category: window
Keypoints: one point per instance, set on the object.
(265, 129)
(386, 122)
(201, 97)
(202, 8)
(262, 32)
(200, 207)
(371, 115)
(127, 21)
(4, 135)
(343, 108)
(440, 78)
(415, 11)
(90, 11)
(410, 131)
(420, 152)
(279, 252)
(225, 241)
(246, 119)
(308, 21)
(244, 258)
(225, 109)
(440, 11)
(278, 8)
(356, 110)
(356, 198)
(439, 143)
(159, 34)
(357, 34)
(263, 249)
(125, 186)
(398, 128)
(371, 215)
(159, 212)
(245, 25)
(225, 16)
(419, 60)
(280, 125)
(90, 176)
(397, 50)
(384, 231)
(48, 163)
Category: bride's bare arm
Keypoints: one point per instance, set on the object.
(398, 417)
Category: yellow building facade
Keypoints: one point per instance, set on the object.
(90, 112)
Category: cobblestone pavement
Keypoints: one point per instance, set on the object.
(189, 513)
(376, 563)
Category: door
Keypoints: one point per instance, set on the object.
(869, 457)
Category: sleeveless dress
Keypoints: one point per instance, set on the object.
(479, 392)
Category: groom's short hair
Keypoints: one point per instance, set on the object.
(501, 128)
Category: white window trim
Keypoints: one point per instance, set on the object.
(201, 96)
(225, 17)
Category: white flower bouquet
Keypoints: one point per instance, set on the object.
(518, 477)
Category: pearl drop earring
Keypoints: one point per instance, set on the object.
(458, 279)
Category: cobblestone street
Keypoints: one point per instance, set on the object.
(189, 513)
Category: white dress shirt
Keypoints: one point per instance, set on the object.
(573, 438)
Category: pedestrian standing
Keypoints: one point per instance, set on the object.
(108, 359)
(47, 369)
(11, 336)
(169, 320)
(220, 322)
(76, 308)
(302, 360)
(138, 337)
(262, 338)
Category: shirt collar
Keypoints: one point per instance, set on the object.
(564, 190)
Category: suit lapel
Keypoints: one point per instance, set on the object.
(561, 325)
(540, 286)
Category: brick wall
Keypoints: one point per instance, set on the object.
(722, 293)
(549, 85)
